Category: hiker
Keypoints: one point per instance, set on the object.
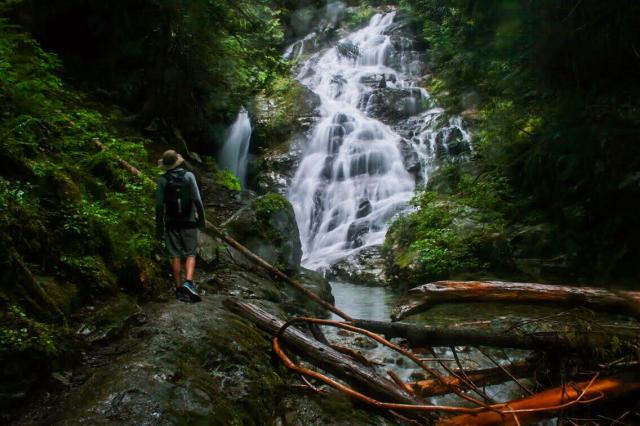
(177, 221)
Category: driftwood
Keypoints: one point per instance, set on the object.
(421, 298)
(549, 402)
(484, 377)
(427, 336)
(325, 357)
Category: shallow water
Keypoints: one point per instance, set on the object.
(375, 303)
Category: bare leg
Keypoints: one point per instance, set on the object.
(175, 265)
(190, 267)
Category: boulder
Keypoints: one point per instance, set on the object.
(348, 49)
(391, 105)
(315, 282)
(267, 226)
(356, 233)
(277, 166)
(374, 80)
(363, 267)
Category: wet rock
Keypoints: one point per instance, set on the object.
(417, 376)
(277, 166)
(208, 247)
(390, 105)
(318, 284)
(327, 408)
(364, 343)
(363, 267)
(348, 49)
(410, 157)
(276, 117)
(356, 233)
(111, 320)
(450, 143)
(364, 208)
(267, 226)
(374, 80)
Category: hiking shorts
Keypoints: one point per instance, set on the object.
(181, 242)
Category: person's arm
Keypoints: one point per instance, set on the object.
(195, 196)
(160, 207)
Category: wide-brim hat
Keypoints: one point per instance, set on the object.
(170, 160)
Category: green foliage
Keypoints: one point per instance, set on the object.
(227, 179)
(69, 214)
(361, 15)
(557, 114)
(449, 235)
(19, 334)
(281, 104)
(268, 204)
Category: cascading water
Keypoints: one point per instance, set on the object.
(236, 147)
(353, 175)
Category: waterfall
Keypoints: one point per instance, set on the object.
(353, 176)
(236, 146)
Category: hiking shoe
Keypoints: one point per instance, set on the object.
(182, 295)
(191, 289)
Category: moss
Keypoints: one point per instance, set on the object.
(268, 204)
(227, 179)
(74, 226)
(449, 235)
(278, 110)
(360, 16)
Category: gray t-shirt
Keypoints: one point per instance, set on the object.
(199, 220)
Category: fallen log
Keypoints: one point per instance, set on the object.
(325, 357)
(484, 377)
(427, 336)
(421, 298)
(547, 403)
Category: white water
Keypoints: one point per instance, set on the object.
(352, 179)
(236, 147)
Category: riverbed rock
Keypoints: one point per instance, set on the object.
(390, 105)
(267, 226)
(348, 49)
(363, 267)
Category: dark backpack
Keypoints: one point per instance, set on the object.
(177, 195)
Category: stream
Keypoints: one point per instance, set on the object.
(375, 303)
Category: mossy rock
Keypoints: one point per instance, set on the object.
(318, 285)
(267, 226)
(111, 320)
(287, 108)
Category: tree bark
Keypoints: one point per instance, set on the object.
(426, 336)
(421, 298)
(547, 403)
(488, 376)
(323, 356)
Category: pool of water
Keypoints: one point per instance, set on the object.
(375, 303)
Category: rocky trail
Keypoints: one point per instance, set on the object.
(168, 362)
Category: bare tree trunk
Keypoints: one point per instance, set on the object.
(421, 298)
(426, 336)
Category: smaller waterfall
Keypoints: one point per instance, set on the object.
(236, 146)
